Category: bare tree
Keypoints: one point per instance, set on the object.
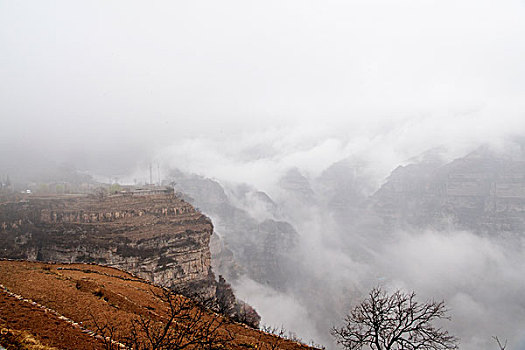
(100, 193)
(395, 322)
(183, 324)
(107, 332)
(187, 325)
(246, 314)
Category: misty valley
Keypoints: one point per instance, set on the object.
(296, 259)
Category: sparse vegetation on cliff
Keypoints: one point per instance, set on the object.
(185, 325)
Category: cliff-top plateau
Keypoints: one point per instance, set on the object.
(156, 236)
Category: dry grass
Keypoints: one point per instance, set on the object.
(13, 339)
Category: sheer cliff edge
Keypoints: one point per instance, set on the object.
(152, 234)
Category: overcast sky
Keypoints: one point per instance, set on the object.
(243, 90)
(91, 81)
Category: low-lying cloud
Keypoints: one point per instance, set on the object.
(479, 276)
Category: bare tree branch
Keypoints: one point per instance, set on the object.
(106, 331)
(500, 346)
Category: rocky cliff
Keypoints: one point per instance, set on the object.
(483, 191)
(158, 237)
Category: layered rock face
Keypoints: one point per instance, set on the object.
(158, 237)
(483, 192)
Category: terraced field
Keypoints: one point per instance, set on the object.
(60, 305)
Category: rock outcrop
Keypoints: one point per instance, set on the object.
(158, 237)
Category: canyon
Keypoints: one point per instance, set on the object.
(320, 241)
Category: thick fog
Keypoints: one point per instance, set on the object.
(96, 83)
(243, 92)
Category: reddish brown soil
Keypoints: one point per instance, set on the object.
(48, 328)
(86, 292)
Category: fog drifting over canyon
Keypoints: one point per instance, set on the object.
(242, 92)
(480, 276)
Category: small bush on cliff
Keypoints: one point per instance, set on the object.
(237, 310)
(246, 314)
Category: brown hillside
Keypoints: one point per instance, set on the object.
(86, 294)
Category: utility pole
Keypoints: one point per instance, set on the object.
(150, 175)
(158, 171)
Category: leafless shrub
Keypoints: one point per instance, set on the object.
(246, 314)
(107, 332)
(279, 332)
(187, 326)
(281, 335)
